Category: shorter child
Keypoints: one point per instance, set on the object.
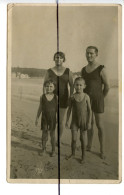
(81, 116)
(48, 107)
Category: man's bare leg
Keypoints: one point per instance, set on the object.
(90, 134)
(99, 124)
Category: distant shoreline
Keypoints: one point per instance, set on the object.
(113, 82)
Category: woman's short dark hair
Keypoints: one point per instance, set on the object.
(93, 47)
(60, 54)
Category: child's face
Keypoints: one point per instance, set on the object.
(79, 86)
(49, 88)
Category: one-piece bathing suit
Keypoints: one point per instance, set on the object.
(49, 110)
(79, 114)
(61, 86)
(94, 89)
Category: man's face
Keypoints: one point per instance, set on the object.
(91, 55)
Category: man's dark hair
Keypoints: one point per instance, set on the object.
(93, 47)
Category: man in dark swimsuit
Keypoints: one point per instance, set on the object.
(97, 87)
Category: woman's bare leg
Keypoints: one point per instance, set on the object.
(62, 112)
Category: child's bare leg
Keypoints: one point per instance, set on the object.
(52, 135)
(73, 143)
(44, 140)
(99, 124)
(83, 144)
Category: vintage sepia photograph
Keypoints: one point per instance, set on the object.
(64, 93)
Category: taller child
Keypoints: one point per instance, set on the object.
(97, 87)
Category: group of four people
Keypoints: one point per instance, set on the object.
(86, 103)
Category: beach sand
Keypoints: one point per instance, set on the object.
(26, 163)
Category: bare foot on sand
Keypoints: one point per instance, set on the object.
(53, 154)
(72, 156)
(42, 153)
(82, 161)
(102, 156)
(88, 149)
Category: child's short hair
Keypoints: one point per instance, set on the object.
(60, 54)
(79, 79)
(49, 82)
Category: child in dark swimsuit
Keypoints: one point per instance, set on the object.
(48, 107)
(81, 116)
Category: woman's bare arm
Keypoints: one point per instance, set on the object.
(68, 112)
(71, 83)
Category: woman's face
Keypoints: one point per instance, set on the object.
(58, 60)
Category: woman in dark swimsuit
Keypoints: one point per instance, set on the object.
(97, 88)
(62, 77)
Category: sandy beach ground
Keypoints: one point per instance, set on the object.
(26, 163)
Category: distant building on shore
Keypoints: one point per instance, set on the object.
(20, 75)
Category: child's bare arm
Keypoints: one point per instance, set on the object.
(38, 112)
(89, 112)
(71, 83)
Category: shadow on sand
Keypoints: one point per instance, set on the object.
(24, 135)
(24, 146)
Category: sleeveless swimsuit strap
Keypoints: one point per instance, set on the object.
(100, 67)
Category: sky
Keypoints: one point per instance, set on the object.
(34, 35)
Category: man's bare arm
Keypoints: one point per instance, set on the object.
(105, 82)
